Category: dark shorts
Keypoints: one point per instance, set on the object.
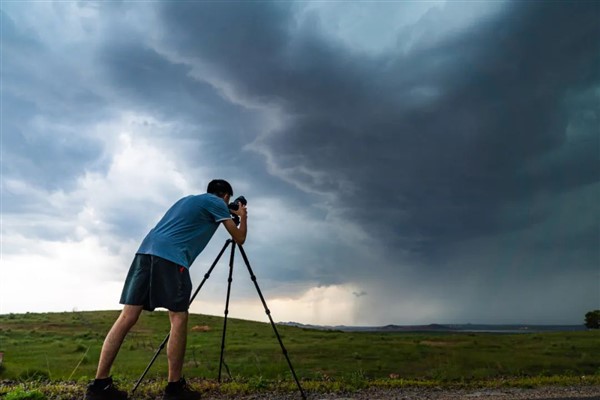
(155, 282)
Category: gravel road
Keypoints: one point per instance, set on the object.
(75, 391)
(547, 393)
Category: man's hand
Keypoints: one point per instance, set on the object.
(241, 212)
(238, 233)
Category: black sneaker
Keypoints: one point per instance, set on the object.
(180, 391)
(104, 389)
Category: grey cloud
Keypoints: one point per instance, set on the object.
(426, 148)
(141, 76)
(44, 114)
(52, 159)
(449, 150)
(449, 162)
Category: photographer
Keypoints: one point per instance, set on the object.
(159, 277)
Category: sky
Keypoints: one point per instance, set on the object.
(404, 162)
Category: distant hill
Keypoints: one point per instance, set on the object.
(443, 328)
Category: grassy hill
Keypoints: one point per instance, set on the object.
(66, 346)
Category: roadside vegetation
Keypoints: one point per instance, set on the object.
(56, 354)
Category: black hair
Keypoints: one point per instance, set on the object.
(219, 187)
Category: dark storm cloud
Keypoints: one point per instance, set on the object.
(145, 79)
(467, 156)
(428, 144)
(209, 126)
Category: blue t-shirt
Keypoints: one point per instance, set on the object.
(186, 229)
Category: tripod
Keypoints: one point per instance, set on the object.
(229, 280)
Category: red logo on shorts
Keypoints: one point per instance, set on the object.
(181, 270)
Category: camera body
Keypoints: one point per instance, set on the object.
(234, 206)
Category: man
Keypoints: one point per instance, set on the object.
(159, 277)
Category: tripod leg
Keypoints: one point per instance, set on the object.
(268, 312)
(162, 345)
(229, 280)
(207, 275)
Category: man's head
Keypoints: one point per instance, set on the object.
(220, 188)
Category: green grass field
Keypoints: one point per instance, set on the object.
(64, 347)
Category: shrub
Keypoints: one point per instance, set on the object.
(20, 394)
(592, 319)
(258, 383)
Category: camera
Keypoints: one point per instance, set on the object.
(235, 205)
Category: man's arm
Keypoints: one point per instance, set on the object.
(238, 233)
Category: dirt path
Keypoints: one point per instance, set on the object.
(547, 393)
(74, 391)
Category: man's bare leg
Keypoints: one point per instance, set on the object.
(177, 342)
(115, 337)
